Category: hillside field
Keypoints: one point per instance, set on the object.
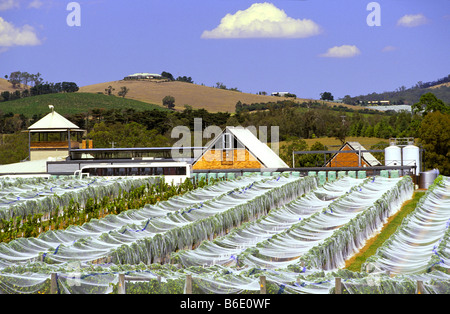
(72, 103)
(197, 96)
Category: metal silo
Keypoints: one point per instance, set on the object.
(393, 156)
(411, 157)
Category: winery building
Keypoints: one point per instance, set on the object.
(237, 148)
(352, 154)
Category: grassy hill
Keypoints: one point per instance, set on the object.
(142, 95)
(197, 96)
(72, 103)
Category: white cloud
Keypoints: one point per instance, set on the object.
(36, 4)
(8, 4)
(15, 4)
(389, 48)
(17, 36)
(412, 20)
(262, 20)
(344, 51)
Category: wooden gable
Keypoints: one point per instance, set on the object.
(238, 148)
(346, 159)
(227, 159)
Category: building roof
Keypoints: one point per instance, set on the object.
(369, 159)
(258, 149)
(27, 167)
(53, 122)
(144, 74)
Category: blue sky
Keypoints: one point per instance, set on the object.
(304, 47)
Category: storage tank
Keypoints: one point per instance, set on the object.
(427, 178)
(393, 156)
(411, 157)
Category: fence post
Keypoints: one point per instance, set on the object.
(262, 285)
(420, 287)
(54, 283)
(188, 286)
(337, 285)
(122, 287)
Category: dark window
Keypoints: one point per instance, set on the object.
(170, 171)
(181, 171)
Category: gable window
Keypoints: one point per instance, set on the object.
(227, 141)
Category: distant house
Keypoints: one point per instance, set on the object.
(353, 159)
(143, 76)
(379, 102)
(237, 148)
(280, 94)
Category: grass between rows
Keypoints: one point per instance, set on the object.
(372, 244)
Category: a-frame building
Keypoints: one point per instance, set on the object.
(237, 148)
(352, 159)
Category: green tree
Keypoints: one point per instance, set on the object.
(340, 128)
(434, 134)
(168, 76)
(430, 103)
(6, 95)
(309, 122)
(71, 87)
(14, 148)
(126, 135)
(287, 150)
(312, 160)
(326, 96)
(185, 79)
(109, 90)
(15, 79)
(169, 102)
(347, 100)
(123, 91)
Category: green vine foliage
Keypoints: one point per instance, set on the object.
(76, 213)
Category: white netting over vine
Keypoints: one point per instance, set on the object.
(162, 228)
(227, 235)
(325, 239)
(225, 250)
(422, 241)
(20, 197)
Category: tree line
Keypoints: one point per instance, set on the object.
(170, 77)
(21, 80)
(429, 121)
(403, 95)
(17, 78)
(300, 120)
